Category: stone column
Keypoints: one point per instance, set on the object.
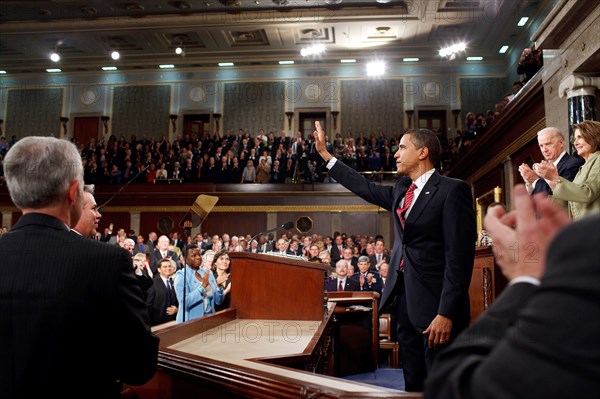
(581, 99)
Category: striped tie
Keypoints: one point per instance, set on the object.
(408, 199)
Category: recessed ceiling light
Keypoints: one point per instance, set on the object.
(115, 55)
(410, 59)
(474, 58)
(55, 57)
(2, 72)
(523, 21)
(286, 62)
(503, 49)
(449, 51)
(166, 66)
(109, 68)
(53, 70)
(315, 49)
(375, 68)
(348, 61)
(226, 64)
(179, 51)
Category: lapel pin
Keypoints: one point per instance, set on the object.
(427, 192)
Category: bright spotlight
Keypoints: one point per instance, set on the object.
(115, 55)
(55, 57)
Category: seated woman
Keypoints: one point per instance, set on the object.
(583, 193)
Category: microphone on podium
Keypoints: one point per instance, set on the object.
(285, 226)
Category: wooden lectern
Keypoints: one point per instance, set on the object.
(270, 344)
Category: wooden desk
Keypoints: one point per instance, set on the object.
(487, 282)
(355, 332)
(229, 356)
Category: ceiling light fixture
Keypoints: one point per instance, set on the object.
(2, 72)
(109, 68)
(383, 1)
(503, 49)
(375, 68)
(451, 51)
(286, 62)
(474, 58)
(115, 55)
(333, 2)
(315, 49)
(166, 66)
(410, 59)
(53, 70)
(226, 64)
(55, 57)
(348, 61)
(178, 51)
(523, 21)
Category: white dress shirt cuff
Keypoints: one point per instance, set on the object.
(525, 279)
(331, 162)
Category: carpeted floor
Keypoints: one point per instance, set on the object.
(383, 377)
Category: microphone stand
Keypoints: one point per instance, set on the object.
(122, 188)
(184, 289)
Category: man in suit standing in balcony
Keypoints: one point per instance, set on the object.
(434, 248)
(551, 144)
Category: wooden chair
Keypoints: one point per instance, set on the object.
(385, 340)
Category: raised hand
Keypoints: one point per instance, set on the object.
(321, 142)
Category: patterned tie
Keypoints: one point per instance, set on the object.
(408, 199)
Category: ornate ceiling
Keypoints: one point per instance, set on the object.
(253, 32)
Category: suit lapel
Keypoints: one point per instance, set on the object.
(427, 192)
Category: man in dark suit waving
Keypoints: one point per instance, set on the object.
(434, 246)
(72, 319)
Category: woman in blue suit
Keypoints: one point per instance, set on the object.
(201, 290)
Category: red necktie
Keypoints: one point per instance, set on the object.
(340, 286)
(408, 199)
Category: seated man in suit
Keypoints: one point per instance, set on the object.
(551, 144)
(63, 327)
(368, 281)
(542, 331)
(342, 282)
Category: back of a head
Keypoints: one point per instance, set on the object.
(39, 171)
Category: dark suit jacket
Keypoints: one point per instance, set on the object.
(156, 256)
(546, 337)
(567, 168)
(350, 285)
(438, 244)
(376, 286)
(158, 300)
(335, 253)
(70, 308)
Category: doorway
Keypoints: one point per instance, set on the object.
(307, 122)
(433, 120)
(196, 124)
(85, 128)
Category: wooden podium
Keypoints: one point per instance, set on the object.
(271, 343)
